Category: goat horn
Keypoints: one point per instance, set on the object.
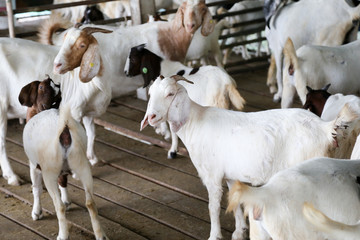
(90, 30)
(161, 77)
(181, 78)
(78, 25)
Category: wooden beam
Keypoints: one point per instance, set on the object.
(140, 10)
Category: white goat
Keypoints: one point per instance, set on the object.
(336, 230)
(330, 184)
(213, 86)
(87, 99)
(249, 147)
(201, 46)
(316, 66)
(56, 154)
(160, 37)
(241, 18)
(339, 28)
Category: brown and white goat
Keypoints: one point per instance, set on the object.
(65, 154)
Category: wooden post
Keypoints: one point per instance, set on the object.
(140, 10)
(10, 15)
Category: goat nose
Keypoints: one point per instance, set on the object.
(191, 25)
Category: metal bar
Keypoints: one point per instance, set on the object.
(228, 14)
(242, 33)
(56, 6)
(240, 24)
(10, 15)
(243, 43)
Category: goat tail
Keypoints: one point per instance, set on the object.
(69, 131)
(241, 193)
(48, 28)
(236, 99)
(290, 58)
(336, 230)
(271, 76)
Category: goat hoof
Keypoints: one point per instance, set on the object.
(37, 216)
(67, 205)
(172, 155)
(276, 99)
(13, 180)
(93, 161)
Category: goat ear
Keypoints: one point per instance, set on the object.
(309, 89)
(208, 24)
(179, 17)
(28, 94)
(326, 87)
(90, 63)
(144, 122)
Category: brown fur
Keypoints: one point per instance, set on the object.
(38, 96)
(50, 26)
(178, 36)
(82, 52)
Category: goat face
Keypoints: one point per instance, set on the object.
(91, 14)
(316, 99)
(192, 14)
(40, 96)
(144, 62)
(162, 92)
(80, 48)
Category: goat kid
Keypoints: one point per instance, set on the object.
(330, 184)
(336, 230)
(213, 86)
(66, 154)
(221, 143)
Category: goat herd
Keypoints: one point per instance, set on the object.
(261, 155)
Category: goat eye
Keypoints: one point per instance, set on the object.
(170, 95)
(82, 45)
(40, 87)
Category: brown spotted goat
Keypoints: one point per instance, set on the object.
(65, 152)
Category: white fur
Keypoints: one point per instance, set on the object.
(329, 184)
(42, 146)
(250, 147)
(318, 66)
(201, 46)
(311, 28)
(336, 230)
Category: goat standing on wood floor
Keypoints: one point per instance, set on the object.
(250, 147)
(336, 230)
(65, 152)
(213, 86)
(330, 184)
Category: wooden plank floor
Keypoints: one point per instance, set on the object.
(140, 194)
